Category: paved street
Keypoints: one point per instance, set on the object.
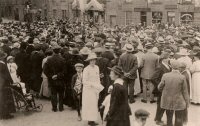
(69, 117)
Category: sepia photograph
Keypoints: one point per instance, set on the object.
(99, 62)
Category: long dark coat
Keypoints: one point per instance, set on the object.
(69, 72)
(103, 64)
(6, 99)
(22, 60)
(36, 70)
(119, 110)
(55, 66)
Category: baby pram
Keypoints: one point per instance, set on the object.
(24, 101)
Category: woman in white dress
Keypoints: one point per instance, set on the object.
(91, 89)
(45, 90)
(195, 70)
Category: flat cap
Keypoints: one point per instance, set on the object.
(142, 113)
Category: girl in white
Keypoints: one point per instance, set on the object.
(12, 68)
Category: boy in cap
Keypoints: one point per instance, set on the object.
(140, 117)
(77, 87)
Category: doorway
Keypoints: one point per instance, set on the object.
(143, 18)
(113, 21)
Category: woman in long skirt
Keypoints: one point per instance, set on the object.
(119, 111)
(91, 89)
(45, 90)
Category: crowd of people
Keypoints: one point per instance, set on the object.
(93, 68)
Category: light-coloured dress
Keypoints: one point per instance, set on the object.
(45, 90)
(90, 95)
(195, 70)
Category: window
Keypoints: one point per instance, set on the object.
(185, 1)
(157, 17)
(64, 14)
(187, 17)
(128, 17)
(170, 17)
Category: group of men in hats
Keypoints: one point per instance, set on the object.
(137, 50)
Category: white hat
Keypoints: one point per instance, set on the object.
(183, 52)
(161, 40)
(91, 56)
(155, 50)
(85, 51)
(129, 48)
(16, 45)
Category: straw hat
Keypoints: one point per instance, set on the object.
(91, 56)
(155, 50)
(129, 48)
(85, 51)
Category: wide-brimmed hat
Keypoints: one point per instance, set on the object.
(161, 40)
(155, 50)
(75, 51)
(79, 65)
(117, 70)
(183, 52)
(85, 51)
(91, 56)
(148, 45)
(129, 47)
(98, 50)
(2, 55)
(56, 47)
(16, 45)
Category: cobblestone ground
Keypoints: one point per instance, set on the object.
(69, 117)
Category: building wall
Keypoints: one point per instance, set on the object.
(119, 9)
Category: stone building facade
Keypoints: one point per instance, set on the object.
(16, 9)
(124, 12)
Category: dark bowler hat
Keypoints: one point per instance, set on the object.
(117, 70)
(141, 113)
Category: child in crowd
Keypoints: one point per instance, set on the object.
(106, 103)
(141, 117)
(12, 68)
(77, 87)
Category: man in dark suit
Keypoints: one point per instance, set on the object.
(7, 105)
(148, 67)
(54, 69)
(22, 61)
(129, 64)
(108, 54)
(36, 68)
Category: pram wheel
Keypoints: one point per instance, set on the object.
(39, 107)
